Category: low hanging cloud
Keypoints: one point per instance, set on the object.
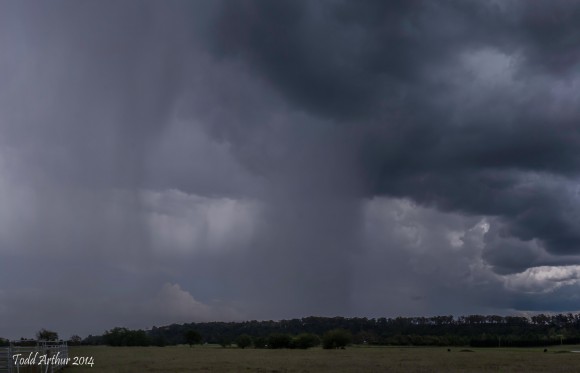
(177, 305)
(544, 279)
(185, 222)
(282, 159)
(430, 260)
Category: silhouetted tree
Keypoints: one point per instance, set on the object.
(337, 338)
(474, 330)
(46, 335)
(279, 340)
(192, 337)
(243, 341)
(125, 337)
(260, 342)
(75, 340)
(225, 342)
(305, 340)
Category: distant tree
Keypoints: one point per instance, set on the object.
(75, 340)
(125, 337)
(365, 337)
(225, 342)
(27, 342)
(477, 331)
(305, 340)
(243, 341)
(93, 340)
(279, 340)
(337, 338)
(260, 342)
(46, 335)
(192, 337)
(159, 340)
(4, 342)
(138, 338)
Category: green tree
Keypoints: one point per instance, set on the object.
(75, 340)
(305, 340)
(125, 337)
(138, 338)
(279, 340)
(225, 342)
(46, 335)
(260, 342)
(159, 340)
(192, 337)
(243, 341)
(116, 337)
(337, 338)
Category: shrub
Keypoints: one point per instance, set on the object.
(260, 342)
(225, 342)
(192, 337)
(337, 338)
(243, 341)
(75, 340)
(125, 337)
(46, 335)
(305, 340)
(279, 341)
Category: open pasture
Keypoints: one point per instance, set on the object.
(352, 359)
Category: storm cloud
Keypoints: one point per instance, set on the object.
(259, 159)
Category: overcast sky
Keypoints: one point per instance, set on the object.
(172, 161)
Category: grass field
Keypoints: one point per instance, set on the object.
(353, 359)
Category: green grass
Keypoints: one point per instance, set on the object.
(353, 359)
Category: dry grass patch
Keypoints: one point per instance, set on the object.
(353, 359)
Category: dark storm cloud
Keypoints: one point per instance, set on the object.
(343, 59)
(550, 32)
(279, 39)
(336, 54)
(227, 158)
(419, 260)
(422, 124)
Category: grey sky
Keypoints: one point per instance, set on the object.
(185, 161)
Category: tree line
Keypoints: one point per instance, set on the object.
(472, 330)
(43, 335)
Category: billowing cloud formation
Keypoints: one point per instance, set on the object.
(474, 116)
(544, 279)
(264, 159)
